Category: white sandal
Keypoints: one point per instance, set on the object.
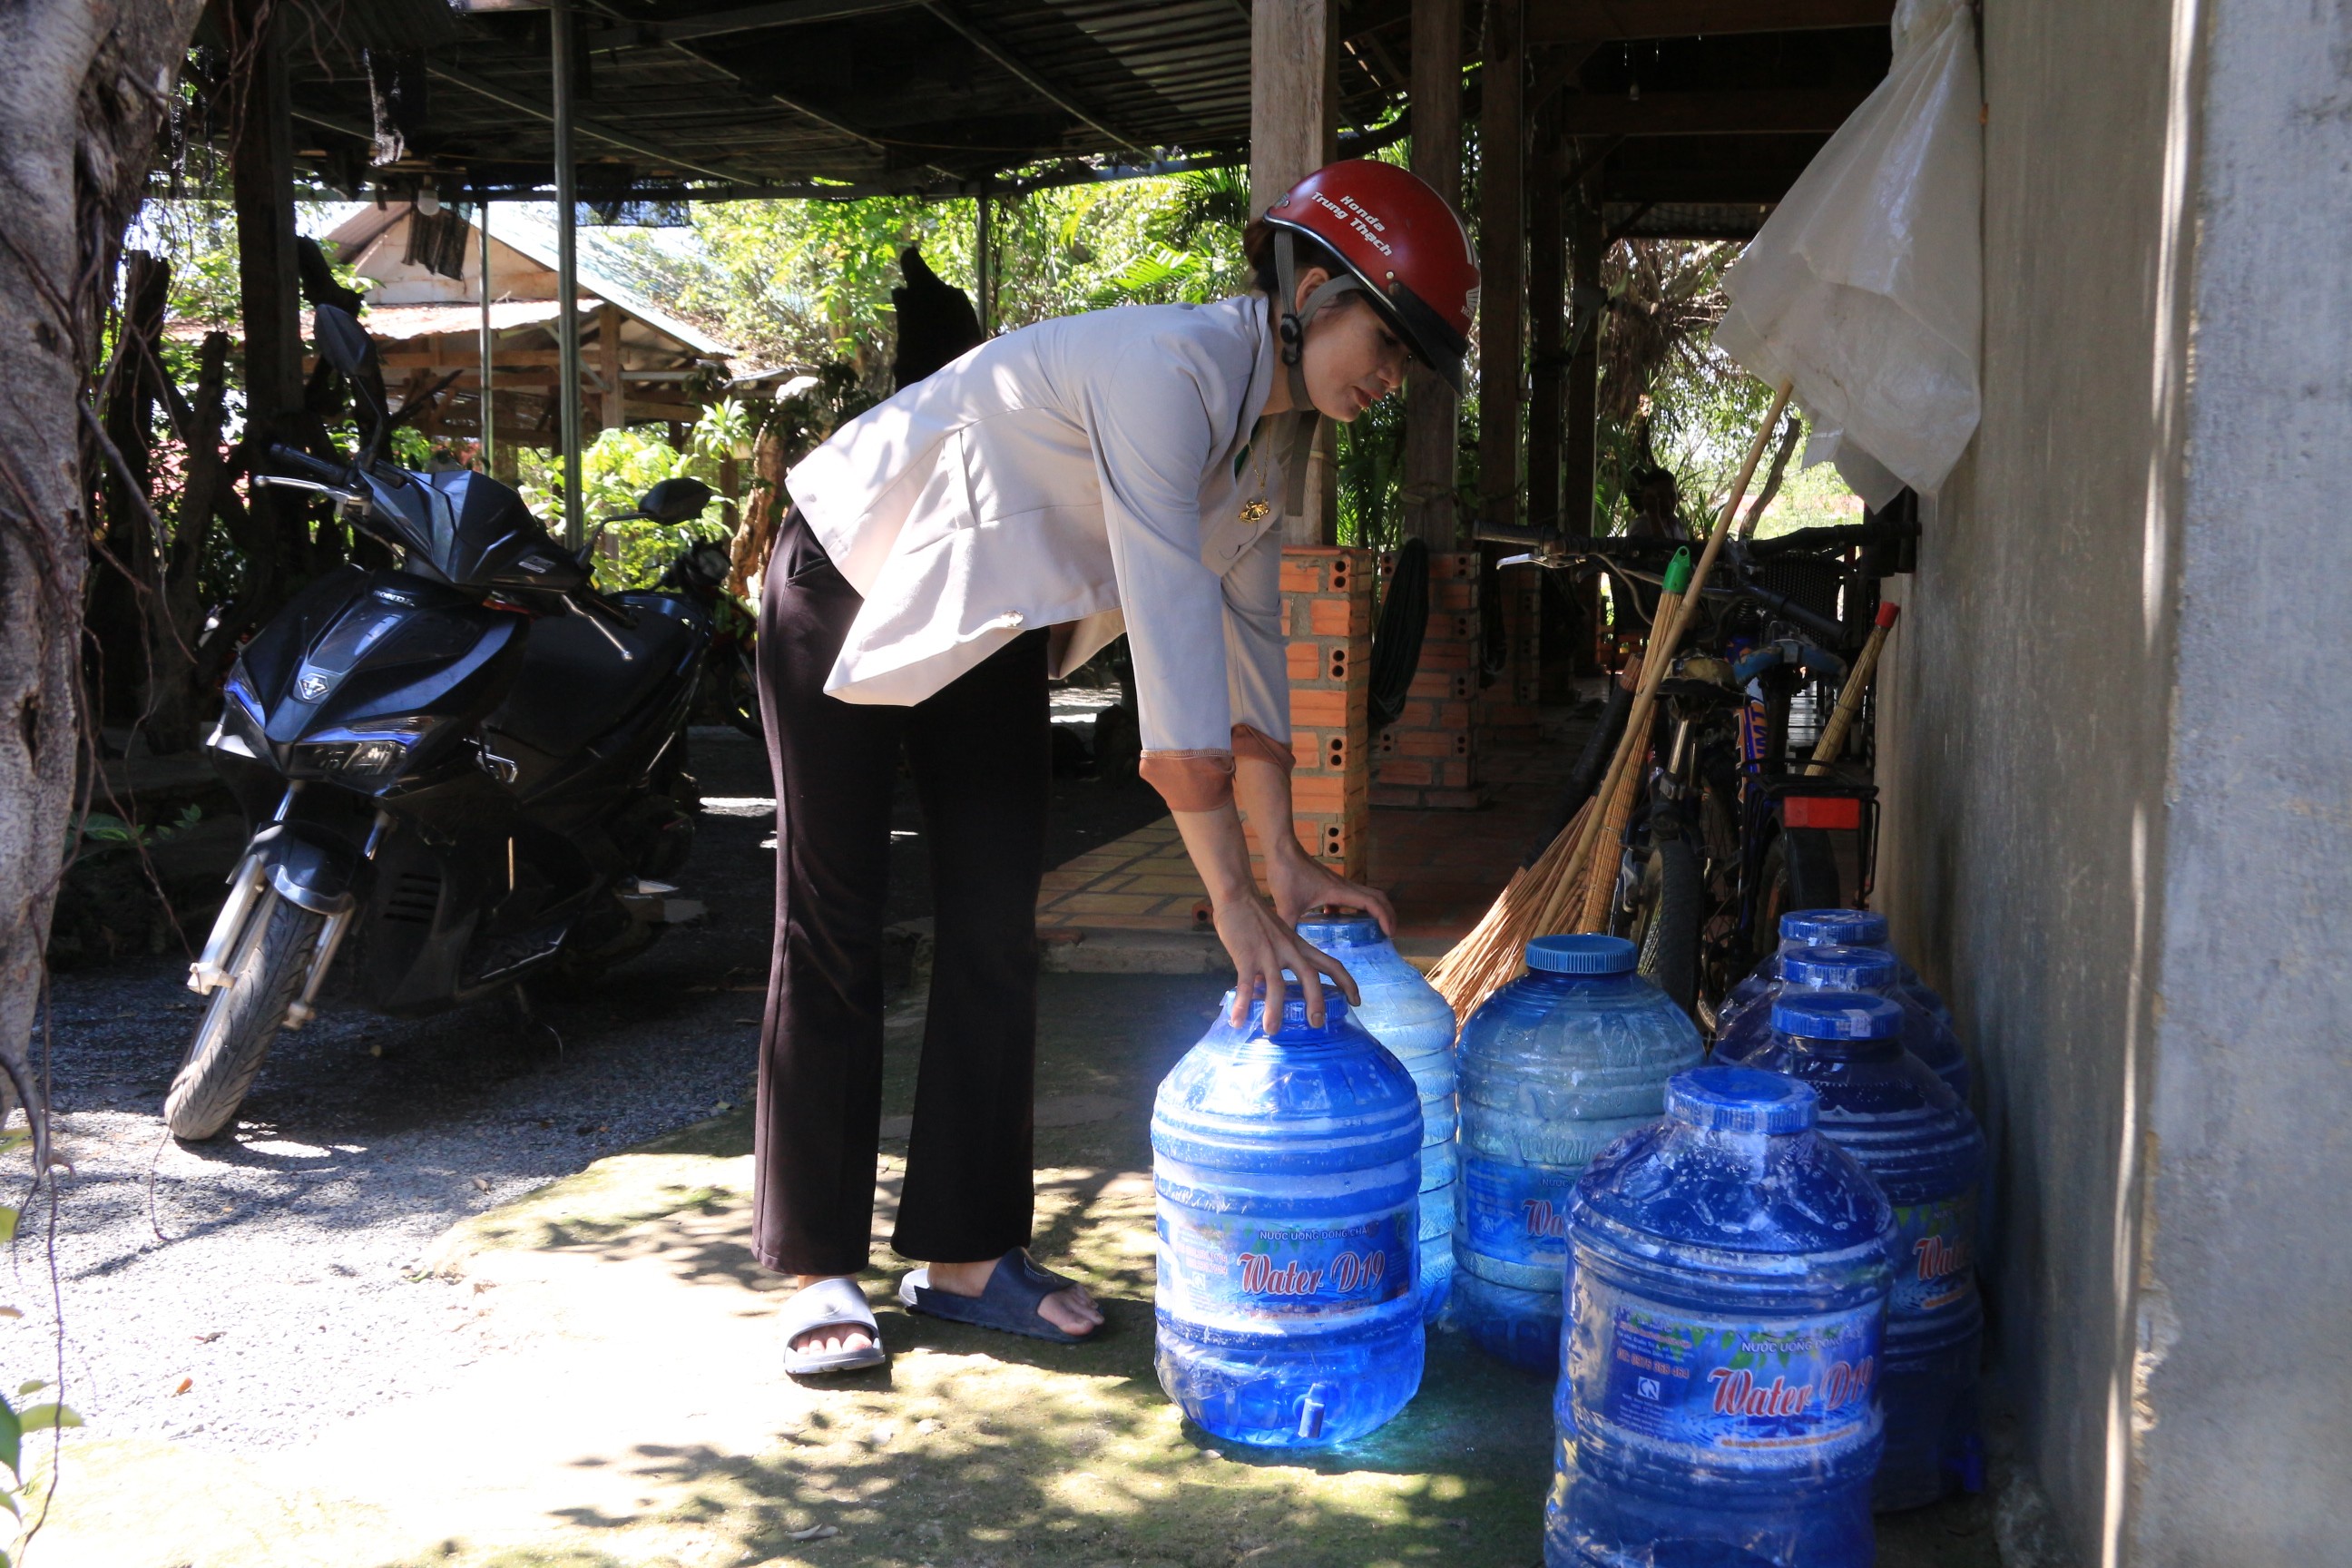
(827, 1304)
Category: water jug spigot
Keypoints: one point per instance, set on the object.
(1310, 1412)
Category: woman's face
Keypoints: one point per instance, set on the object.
(1352, 357)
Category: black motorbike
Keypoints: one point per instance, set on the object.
(460, 774)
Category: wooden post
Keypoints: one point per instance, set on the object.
(1326, 592)
(1433, 414)
(1294, 92)
(1502, 153)
(1547, 305)
(1582, 432)
(261, 179)
(608, 365)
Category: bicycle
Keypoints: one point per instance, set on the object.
(1727, 835)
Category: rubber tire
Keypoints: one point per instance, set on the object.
(266, 968)
(740, 695)
(1799, 873)
(1670, 934)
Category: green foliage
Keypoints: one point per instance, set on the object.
(622, 466)
(1371, 475)
(808, 283)
(46, 1416)
(100, 832)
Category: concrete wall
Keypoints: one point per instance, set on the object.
(2246, 1294)
(2116, 757)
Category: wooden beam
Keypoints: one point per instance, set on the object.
(608, 353)
(1607, 21)
(1585, 249)
(1766, 112)
(1502, 151)
(1433, 414)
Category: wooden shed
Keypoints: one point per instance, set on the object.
(637, 365)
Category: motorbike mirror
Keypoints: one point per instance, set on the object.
(347, 346)
(680, 500)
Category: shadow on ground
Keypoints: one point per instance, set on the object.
(643, 1421)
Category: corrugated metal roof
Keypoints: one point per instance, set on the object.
(904, 94)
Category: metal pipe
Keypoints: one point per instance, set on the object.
(567, 273)
(305, 1007)
(210, 972)
(488, 403)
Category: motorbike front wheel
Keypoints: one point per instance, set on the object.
(266, 969)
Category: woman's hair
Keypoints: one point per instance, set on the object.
(1258, 244)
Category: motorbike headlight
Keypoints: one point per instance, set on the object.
(362, 751)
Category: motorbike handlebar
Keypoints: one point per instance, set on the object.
(318, 468)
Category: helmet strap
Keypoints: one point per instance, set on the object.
(1290, 323)
(1291, 318)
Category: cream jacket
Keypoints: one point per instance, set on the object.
(1090, 472)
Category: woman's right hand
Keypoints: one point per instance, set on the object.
(1260, 943)
(1262, 947)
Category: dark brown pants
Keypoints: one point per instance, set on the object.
(981, 760)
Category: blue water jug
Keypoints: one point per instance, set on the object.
(1881, 1104)
(1867, 969)
(1555, 1065)
(1828, 927)
(1286, 1164)
(1727, 1293)
(1405, 1013)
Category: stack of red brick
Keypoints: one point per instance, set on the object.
(1327, 606)
(1427, 758)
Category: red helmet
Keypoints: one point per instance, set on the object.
(1405, 245)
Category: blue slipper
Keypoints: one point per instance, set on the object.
(1010, 1302)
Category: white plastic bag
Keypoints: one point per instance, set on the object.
(1865, 287)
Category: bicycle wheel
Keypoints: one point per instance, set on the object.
(1799, 873)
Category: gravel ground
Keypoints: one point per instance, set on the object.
(254, 1288)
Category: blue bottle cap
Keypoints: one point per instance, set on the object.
(1837, 968)
(1836, 1016)
(1294, 1009)
(1327, 931)
(1582, 955)
(1847, 928)
(1740, 1099)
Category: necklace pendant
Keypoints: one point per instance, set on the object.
(1255, 512)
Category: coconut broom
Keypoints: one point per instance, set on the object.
(1558, 891)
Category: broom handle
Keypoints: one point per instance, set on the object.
(1665, 633)
(1601, 878)
(1849, 702)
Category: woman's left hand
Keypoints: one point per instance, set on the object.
(1299, 883)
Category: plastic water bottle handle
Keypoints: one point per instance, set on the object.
(1310, 1412)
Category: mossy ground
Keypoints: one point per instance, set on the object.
(638, 1418)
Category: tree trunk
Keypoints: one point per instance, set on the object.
(126, 541)
(763, 513)
(83, 87)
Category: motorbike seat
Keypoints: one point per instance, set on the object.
(580, 676)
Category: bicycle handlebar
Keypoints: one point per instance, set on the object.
(1832, 536)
